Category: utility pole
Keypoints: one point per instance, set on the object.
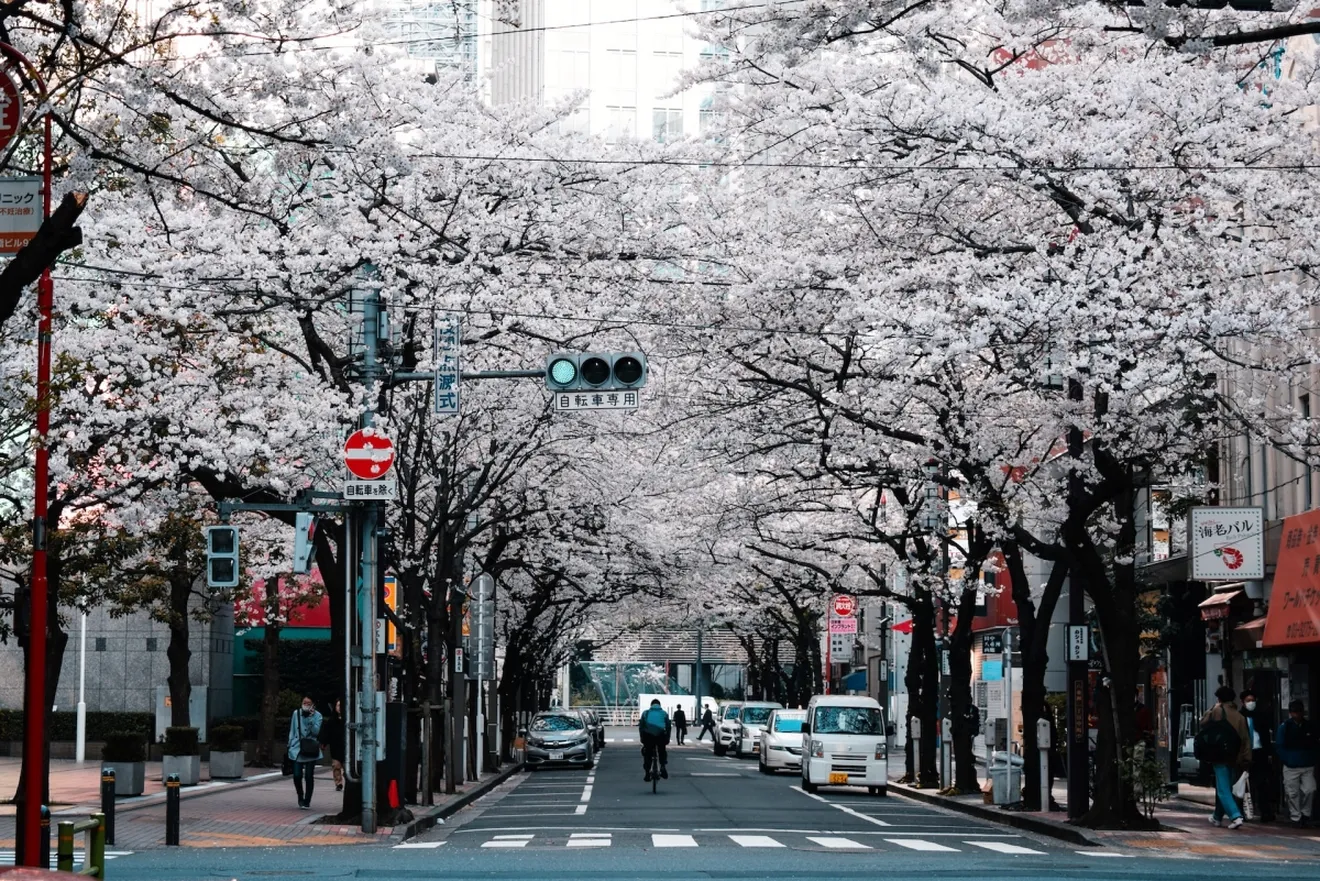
(367, 570)
(1078, 747)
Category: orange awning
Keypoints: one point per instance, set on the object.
(1218, 605)
(1248, 637)
(1294, 615)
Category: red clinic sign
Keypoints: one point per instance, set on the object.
(367, 454)
(844, 605)
(11, 108)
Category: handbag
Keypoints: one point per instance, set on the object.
(1240, 787)
(308, 747)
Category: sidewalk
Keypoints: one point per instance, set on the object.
(1187, 831)
(259, 810)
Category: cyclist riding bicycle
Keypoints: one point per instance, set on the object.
(654, 728)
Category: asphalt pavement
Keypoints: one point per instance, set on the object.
(712, 818)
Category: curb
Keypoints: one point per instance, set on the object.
(453, 805)
(1070, 834)
(139, 802)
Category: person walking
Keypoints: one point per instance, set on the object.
(332, 738)
(707, 724)
(1261, 776)
(1296, 745)
(305, 749)
(1223, 742)
(680, 725)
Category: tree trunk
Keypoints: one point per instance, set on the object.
(178, 652)
(270, 750)
(923, 679)
(960, 695)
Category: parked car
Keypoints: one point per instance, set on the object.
(726, 728)
(752, 717)
(558, 738)
(597, 728)
(1188, 764)
(781, 742)
(843, 744)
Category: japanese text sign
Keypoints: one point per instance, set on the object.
(448, 337)
(1294, 616)
(1227, 544)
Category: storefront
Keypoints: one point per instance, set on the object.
(1289, 644)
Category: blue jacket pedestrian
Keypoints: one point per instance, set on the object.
(304, 749)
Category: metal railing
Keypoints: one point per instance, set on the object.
(93, 846)
(613, 715)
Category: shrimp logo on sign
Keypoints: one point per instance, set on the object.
(368, 454)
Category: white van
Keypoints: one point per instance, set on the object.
(843, 744)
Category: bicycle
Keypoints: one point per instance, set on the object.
(650, 757)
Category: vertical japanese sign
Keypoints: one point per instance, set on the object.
(1227, 544)
(448, 336)
(1294, 615)
(20, 210)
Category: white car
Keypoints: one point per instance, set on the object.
(751, 723)
(781, 742)
(727, 727)
(843, 744)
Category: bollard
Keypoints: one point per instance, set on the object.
(95, 859)
(172, 811)
(43, 848)
(64, 847)
(108, 803)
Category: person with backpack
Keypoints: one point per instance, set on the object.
(1223, 742)
(654, 727)
(1297, 749)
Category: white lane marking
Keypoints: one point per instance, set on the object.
(918, 844)
(754, 841)
(673, 841)
(838, 842)
(586, 793)
(1103, 853)
(590, 839)
(417, 845)
(714, 774)
(522, 835)
(1005, 847)
(847, 810)
(580, 809)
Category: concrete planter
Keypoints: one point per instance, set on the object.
(226, 765)
(189, 769)
(130, 777)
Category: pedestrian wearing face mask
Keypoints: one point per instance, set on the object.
(1260, 777)
(305, 749)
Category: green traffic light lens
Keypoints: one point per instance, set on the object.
(596, 371)
(563, 371)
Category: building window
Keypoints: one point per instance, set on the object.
(668, 68)
(620, 77)
(151, 643)
(622, 122)
(666, 124)
(100, 644)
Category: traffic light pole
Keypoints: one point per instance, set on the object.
(366, 586)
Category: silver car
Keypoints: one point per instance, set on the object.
(781, 742)
(751, 723)
(559, 739)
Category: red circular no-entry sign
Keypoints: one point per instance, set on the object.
(11, 107)
(368, 454)
(844, 605)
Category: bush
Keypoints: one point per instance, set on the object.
(181, 741)
(64, 725)
(251, 725)
(227, 738)
(121, 746)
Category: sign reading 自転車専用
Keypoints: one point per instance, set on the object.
(1226, 544)
(1294, 614)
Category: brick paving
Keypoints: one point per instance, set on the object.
(259, 811)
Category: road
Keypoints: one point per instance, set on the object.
(713, 818)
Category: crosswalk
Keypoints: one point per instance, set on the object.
(8, 857)
(854, 841)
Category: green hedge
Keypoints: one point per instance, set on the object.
(64, 725)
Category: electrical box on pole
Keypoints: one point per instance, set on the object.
(304, 542)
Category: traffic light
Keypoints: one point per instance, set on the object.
(304, 542)
(595, 371)
(222, 556)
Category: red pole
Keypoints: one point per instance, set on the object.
(829, 641)
(34, 702)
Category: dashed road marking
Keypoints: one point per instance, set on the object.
(922, 845)
(1005, 847)
(838, 842)
(755, 841)
(658, 840)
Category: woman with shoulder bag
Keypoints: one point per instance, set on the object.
(1222, 742)
(305, 749)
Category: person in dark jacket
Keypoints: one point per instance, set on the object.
(680, 725)
(1227, 769)
(707, 724)
(332, 738)
(1261, 775)
(1297, 749)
